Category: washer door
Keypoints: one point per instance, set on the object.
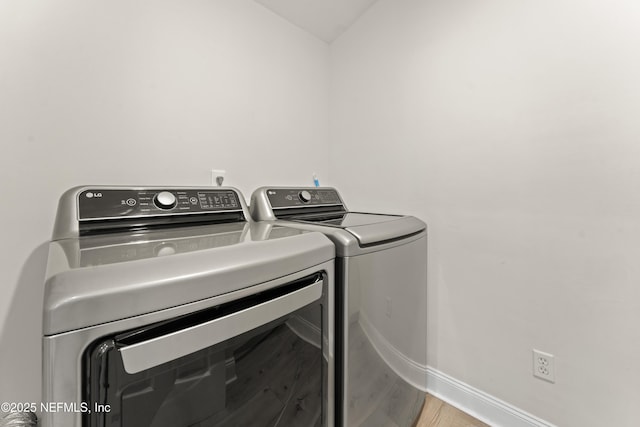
(257, 361)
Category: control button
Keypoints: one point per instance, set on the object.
(165, 249)
(131, 202)
(305, 196)
(194, 200)
(165, 200)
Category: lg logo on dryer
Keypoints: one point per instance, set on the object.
(91, 195)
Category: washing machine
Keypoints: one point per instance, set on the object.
(169, 307)
(381, 301)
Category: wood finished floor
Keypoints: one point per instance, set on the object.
(437, 413)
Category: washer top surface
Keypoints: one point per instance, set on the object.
(345, 219)
(322, 209)
(145, 266)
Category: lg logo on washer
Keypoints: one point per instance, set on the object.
(91, 195)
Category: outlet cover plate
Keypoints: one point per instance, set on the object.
(544, 366)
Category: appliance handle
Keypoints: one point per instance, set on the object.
(148, 354)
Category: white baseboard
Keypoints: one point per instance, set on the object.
(479, 404)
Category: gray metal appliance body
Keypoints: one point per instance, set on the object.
(104, 284)
(381, 277)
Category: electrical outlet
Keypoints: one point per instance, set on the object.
(217, 177)
(544, 366)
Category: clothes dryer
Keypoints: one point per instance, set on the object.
(169, 307)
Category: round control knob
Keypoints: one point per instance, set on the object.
(165, 200)
(165, 249)
(305, 196)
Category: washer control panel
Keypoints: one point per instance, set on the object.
(104, 204)
(300, 197)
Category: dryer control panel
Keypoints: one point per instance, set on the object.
(89, 210)
(99, 203)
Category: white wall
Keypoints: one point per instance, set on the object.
(508, 126)
(512, 129)
(119, 92)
